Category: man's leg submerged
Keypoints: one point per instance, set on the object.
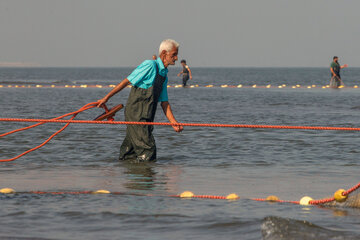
(185, 79)
(127, 150)
(139, 144)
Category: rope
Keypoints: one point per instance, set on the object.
(327, 200)
(357, 186)
(93, 104)
(86, 107)
(313, 202)
(182, 124)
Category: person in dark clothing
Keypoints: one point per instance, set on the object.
(149, 86)
(186, 72)
(335, 67)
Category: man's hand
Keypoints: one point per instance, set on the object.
(101, 102)
(178, 128)
(168, 113)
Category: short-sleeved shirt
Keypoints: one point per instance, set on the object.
(144, 76)
(336, 68)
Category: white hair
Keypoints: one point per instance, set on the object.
(168, 45)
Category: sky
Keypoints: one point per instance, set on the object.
(211, 33)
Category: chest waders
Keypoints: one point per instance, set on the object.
(185, 76)
(139, 143)
(336, 81)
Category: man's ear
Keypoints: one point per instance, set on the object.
(163, 53)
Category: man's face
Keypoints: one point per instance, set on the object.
(336, 59)
(171, 57)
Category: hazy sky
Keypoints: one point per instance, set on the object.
(224, 33)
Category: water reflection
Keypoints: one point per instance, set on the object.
(139, 176)
(152, 176)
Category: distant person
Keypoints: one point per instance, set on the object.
(154, 57)
(149, 81)
(186, 72)
(335, 67)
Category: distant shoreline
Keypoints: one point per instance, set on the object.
(19, 64)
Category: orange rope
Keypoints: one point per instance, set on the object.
(313, 202)
(93, 104)
(181, 124)
(327, 200)
(86, 107)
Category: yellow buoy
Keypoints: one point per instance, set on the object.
(101, 191)
(305, 200)
(187, 194)
(355, 86)
(338, 195)
(239, 86)
(254, 86)
(268, 86)
(272, 198)
(232, 196)
(7, 190)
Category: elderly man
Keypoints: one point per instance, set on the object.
(149, 81)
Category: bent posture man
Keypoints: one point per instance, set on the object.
(149, 82)
(335, 67)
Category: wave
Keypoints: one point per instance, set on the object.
(277, 228)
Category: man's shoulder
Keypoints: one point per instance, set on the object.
(333, 64)
(149, 63)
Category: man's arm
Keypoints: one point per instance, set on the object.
(170, 116)
(344, 66)
(332, 71)
(115, 90)
(190, 74)
(179, 74)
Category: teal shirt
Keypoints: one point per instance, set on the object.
(144, 76)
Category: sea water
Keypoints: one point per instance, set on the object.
(253, 163)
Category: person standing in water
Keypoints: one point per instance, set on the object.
(149, 86)
(335, 67)
(186, 72)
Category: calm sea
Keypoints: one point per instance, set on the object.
(253, 163)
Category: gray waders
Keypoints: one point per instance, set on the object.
(139, 143)
(335, 82)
